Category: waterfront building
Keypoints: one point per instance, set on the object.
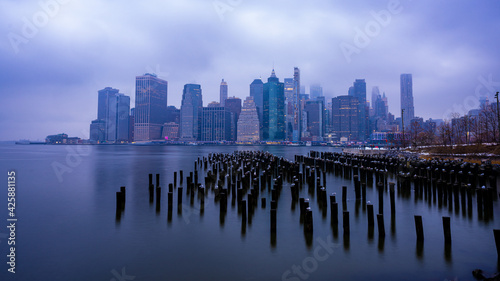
(191, 107)
(150, 107)
(274, 110)
(248, 122)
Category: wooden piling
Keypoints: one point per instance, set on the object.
(370, 215)
(381, 227)
(447, 230)
(419, 228)
(496, 233)
(345, 223)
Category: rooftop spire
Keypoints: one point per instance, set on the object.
(273, 74)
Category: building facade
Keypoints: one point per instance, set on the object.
(345, 117)
(248, 122)
(274, 110)
(223, 93)
(407, 109)
(150, 107)
(215, 124)
(191, 107)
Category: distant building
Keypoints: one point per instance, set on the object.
(223, 93)
(233, 105)
(289, 107)
(150, 107)
(97, 131)
(170, 131)
(298, 90)
(215, 124)
(62, 139)
(407, 98)
(191, 107)
(345, 117)
(358, 90)
(173, 114)
(113, 114)
(315, 91)
(213, 104)
(248, 122)
(274, 110)
(257, 93)
(315, 119)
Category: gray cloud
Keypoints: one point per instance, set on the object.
(51, 84)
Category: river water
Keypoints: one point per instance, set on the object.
(67, 227)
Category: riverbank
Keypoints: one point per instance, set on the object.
(475, 153)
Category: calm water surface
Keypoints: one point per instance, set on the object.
(67, 228)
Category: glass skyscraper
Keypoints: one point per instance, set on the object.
(150, 107)
(274, 110)
(345, 117)
(223, 93)
(257, 92)
(407, 98)
(192, 104)
(358, 90)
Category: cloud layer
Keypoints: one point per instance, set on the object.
(55, 56)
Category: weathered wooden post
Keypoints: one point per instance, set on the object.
(447, 230)
(419, 228)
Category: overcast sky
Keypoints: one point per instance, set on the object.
(54, 58)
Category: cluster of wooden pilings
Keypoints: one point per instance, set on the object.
(243, 178)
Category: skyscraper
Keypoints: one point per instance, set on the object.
(289, 107)
(150, 107)
(257, 92)
(407, 98)
(233, 105)
(112, 123)
(102, 103)
(274, 109)
(358, 90)
(215, 124)
(315, 119)
(223, 93)
(248, 123)
(315, 91)
(345, 117)
(191, 107)
(297, 109)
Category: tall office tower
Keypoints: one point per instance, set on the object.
(150, 107)
(274, 109)
(358, 90)
(248, 123)
(315, 122)
(297, 108)
(102, 103)
(345, 117)
(215, 124)
(223, 93)
(191, 107)
(257, 92)
(131, 125)
(315, 91)
(113, 110)
(117, 129)
(233, 105)
(289, 108)
(407, 98)
(380, 107)
(375, 94)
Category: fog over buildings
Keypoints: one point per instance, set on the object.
(56, 55)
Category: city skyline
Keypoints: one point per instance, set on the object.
(56, 66)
